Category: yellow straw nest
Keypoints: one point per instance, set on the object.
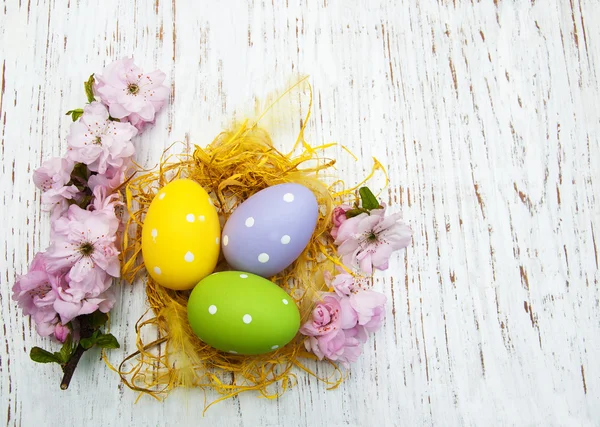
(237, 164)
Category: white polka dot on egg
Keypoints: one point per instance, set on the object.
(233, 352)
(190, 217)
(161, 196)
(247, 319)
(212, 309)
(217, 240)
(286, 302)
(285, 239)
(263, 258)
(157, 270)
(154, 234)
(249, 222)
(201, 218)
(275, 347)
(244, 276)
(225, 240)
(288, 197)
(189, 257)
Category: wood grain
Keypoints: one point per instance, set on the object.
(486, 115)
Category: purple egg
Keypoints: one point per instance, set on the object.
(267, 232)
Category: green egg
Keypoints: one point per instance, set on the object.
(242, 313)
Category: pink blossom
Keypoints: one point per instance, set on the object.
(53, 174)
(367, 305)
(130, 94)
(370, 308)
(330, 346)
(344, 346)
(83, 241)
(75, 301)
(36, 292)
(333, 314)
(339, 217)
(312, 344)
(98, 142)
(349, 316)
(368, 240)
(104, 200)
(139, 122)
(325, 317)
(61, 332)
(345, 284)
(53, 178)
(337, 330)
(359, 332)
(112, 178)
(353, 342)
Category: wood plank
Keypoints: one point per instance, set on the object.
(486, 117)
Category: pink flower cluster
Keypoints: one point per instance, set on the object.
(73, 276)
(340, 324)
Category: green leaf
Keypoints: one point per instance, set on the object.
(80, 170)
(40, 355)
(75, 114)
(354, 212)
(97, 319)
(66, 350)
(369, 201)
(107, 341)
(89, 91)
(88, 343)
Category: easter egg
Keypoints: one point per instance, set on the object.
(267, 232)
(242, 313)
(180, 235)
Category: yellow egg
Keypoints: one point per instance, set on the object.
(180, 236)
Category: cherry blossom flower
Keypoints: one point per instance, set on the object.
(369, 239)
(36, 292)
(111, 179)
(334, 332)
(98, 142)
(326, 317)
(75, 301)
(338, 217)
(53, 179)
(104, 200)
(329, 346)
(370, 308)
(353, 343)
(130, 94)
(83, 241)
(349, 316)
(61, 332)
(345, 284)
(343, 345)
(369, 305)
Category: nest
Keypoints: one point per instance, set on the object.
(234, 166)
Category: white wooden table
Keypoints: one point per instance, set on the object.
(487, 118)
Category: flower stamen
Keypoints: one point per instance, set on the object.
(133, 88)
(40, 291)
(86, 249)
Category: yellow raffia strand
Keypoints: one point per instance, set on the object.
(237, 164)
